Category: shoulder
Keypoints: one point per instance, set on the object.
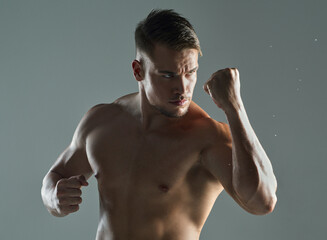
(216, 132)
(100, 112)
(96, 116)
(212, 129)
(126, 99)
(108, 113)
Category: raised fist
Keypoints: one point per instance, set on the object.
(224, 88)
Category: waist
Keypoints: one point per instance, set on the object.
(131, 227)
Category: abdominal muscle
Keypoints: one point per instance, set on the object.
(175, 226)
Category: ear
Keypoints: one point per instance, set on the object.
(138, 70)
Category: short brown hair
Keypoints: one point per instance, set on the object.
(166, 27)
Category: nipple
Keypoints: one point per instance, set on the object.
(163, 187)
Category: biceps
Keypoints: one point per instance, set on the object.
(218, 161)
(73, 161)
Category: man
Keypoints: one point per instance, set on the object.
(159, 159)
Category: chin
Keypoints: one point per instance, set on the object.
(172, 114)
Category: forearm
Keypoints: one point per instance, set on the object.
(253, 178)
(47, 191)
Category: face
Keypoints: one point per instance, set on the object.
(169, 80)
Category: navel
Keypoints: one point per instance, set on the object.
(163, 187)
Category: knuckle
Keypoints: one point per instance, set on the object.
(60, 192)
(234, 71)
(61, 181)
(61, 201)
(74, 208)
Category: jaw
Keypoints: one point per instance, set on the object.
(174, 112)
(154, 116)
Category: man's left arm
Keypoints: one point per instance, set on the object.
(252, 178)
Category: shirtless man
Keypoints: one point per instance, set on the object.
(159, 159)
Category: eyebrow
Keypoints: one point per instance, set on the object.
(173, 73)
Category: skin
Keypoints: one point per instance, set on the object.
(160, 167)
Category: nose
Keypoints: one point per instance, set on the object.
(180, 85)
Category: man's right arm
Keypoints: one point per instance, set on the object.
(61, 187)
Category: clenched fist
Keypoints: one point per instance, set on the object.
(67, 194)
(224, 88)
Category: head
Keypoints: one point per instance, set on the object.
(166, 63)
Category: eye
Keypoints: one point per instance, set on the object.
(167, 76)
(191, 73)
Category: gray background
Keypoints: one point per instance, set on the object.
(59, 58)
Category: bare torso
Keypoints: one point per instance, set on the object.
(151, 184)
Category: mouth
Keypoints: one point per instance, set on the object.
(179, 103)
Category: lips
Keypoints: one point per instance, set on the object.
(179, 103)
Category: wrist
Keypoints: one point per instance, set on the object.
(234, 108)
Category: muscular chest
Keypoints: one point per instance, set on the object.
(124, 158)
(160, 172)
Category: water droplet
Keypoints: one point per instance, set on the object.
(296, 69)
(300, 80)
(297, 89)
(270, 46)
(275, 135)
(316, 39)
(274, 115)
